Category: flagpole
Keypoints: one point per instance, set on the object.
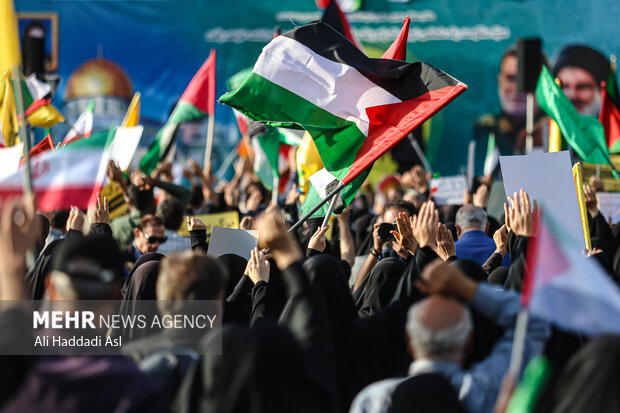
(418, 150)
(209, 145)
(518, 343)
(329, 214)
(22, 129)
(276, 187)
(303, 219)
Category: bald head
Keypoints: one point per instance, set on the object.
(439, 327)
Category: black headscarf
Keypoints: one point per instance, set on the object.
(486, 332)
(236, 267)
(148, 257)
(141, 286)
(378, 288)
(261, 370)
(329, 275)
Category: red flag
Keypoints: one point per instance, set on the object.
(334, 17)
(201, 90)
(609, 116)
(45, 145)
(398, 49)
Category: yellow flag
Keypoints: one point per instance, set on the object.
(555, 137)
(9, 41)
(308, 162)
(582, 204)
(45, 117)
(132, 117)
(8, 116)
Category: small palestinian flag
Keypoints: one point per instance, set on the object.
(197, 101)
(356, 108)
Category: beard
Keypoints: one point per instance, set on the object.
(593, 107)
(514, 105)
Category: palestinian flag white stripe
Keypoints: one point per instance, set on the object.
(335, 87)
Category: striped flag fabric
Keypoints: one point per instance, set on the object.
(564, 287)
(72, 175)
(83, 127)
(334, 17)
(609, 116)
(37, 100)
(46, 144)
(354, 107)
(197, 101)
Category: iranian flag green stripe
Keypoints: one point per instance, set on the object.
(356, 108)
(70, 176)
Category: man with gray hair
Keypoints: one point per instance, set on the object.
(439, 330)
(473, 242)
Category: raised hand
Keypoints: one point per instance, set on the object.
(591, 200)
(404, 236)
(258, 266)
(425, 224)
(273, 235)
(501, 240)
(247, 222)
(445, 243)
(100, 212)
(318, 241)
(194, 223)
(521, 214)
(231, 195)
(481, 196)
(76, 219)
(19, 231)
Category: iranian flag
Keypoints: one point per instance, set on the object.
(72, 175)
(83, 127)
(197, 101)
(566, 288)
(354, 107)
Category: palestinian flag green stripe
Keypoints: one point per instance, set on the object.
(336, 139)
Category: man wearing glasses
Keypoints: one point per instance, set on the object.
(148, 235)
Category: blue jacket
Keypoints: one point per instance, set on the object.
(478, 246)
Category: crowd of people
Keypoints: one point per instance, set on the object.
(407, 307)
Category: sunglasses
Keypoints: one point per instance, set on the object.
(154, 240)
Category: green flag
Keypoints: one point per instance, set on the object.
(584, 134)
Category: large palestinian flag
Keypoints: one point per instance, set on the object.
(354, 107)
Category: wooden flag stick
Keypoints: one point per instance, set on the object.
(209, 145)
(23, 137)
(518, 344)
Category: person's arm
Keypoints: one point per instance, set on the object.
(500, 306)
(347, 247)
(197, 234)
(304, 314)
(317, 242)
(99, 217)
(501, 243)
(371, 260)
(445, 244)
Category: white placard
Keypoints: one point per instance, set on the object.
(449, 190)
(547, 178)
(9, 159)
(232, 241)
(124, 145)
(609, 205)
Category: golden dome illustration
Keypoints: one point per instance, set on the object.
(99, 77)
